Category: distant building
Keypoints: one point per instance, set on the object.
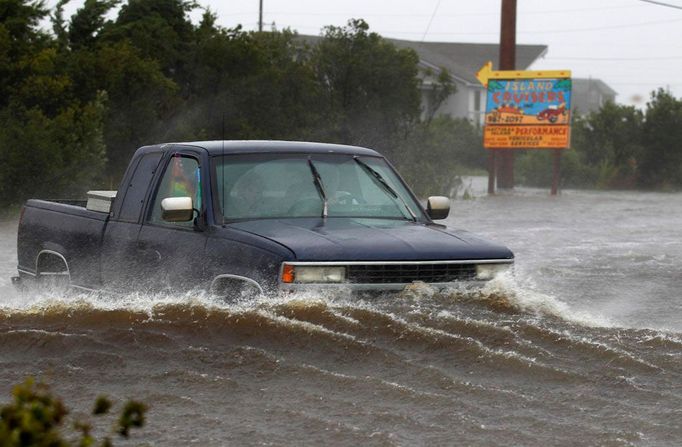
(462, 61)
(589, 95)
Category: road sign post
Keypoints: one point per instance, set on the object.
(507, 61)
(556, 171)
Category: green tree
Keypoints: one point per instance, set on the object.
(437, 91)
(49, 156)
(612, 133)
(606, 149)
(20, 38)
(161, 30)
(246, 85)
(279, 98)
(661, 163)
(20, 18)
(115, 58)
(369, 87)
(141, 100)
(86, 23)
(51, 140)
(610, 140)
(437, 152)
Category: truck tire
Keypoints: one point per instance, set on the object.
(52, 271)
(234, 287)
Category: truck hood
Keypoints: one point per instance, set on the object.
(357, 239)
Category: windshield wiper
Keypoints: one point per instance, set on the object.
(379, 180)
(318, 184)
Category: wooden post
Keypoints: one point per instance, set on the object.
(491, 171)
(556, 171)
(505, 168)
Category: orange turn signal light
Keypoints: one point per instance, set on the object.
(288, 274)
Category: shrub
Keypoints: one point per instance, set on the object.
(36, 417)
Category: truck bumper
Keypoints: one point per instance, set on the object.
(379, 288)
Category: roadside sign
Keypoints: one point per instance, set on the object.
(526, 109)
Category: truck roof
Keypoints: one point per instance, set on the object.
(263, 146)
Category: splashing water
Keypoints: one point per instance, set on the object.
(582, 346)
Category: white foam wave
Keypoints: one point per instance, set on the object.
(519, 295)
(525, 299)
(42, 300)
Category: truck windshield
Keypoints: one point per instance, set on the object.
(257, 186)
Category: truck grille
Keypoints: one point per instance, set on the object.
(408, 273)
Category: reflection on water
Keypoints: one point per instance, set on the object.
(582, 347)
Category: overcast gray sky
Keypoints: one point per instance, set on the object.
(632, 45)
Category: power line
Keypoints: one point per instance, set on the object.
(601, 28)
(431, 20)
(459, 14)
(451, 15)
(645, 83)
(661, 4)
(611, 59)
(554, 31)
(629, 45)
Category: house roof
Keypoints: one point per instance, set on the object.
(463, 60)
(585, 84)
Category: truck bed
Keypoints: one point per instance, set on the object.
(65, 227)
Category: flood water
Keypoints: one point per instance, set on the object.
(583, 346)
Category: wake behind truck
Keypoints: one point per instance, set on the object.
(262, 216)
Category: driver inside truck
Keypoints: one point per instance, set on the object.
(185, 180)
(181, 179)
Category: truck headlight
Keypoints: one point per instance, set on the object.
(309, 274)
(489, 271)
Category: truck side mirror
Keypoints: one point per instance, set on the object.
(438, 207)
(177, 209)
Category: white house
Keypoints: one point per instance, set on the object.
(590, 94)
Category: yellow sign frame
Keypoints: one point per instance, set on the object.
(486, 73)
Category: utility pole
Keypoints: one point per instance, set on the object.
(260, 17)
(505, 157)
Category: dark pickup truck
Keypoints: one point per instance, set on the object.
(263, 216)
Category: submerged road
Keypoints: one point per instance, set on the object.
(582, 347)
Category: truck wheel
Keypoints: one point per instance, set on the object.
(53, 272)
(233, 287)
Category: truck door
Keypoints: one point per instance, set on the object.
(119, 246)
(173, 252)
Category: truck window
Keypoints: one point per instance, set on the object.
(182, 178)
(256, 186)
(133, 195)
